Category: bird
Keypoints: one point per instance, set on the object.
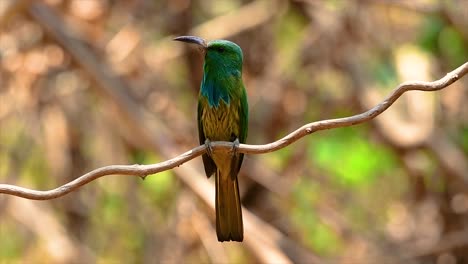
(223, 115)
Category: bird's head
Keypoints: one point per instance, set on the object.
(218, 53)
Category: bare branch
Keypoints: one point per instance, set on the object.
(449, 78)
(144, 170)
(134, 170)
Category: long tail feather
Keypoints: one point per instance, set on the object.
(229, 224)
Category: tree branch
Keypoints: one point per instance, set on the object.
(144, 170)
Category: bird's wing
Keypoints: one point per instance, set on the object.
(208, 163)
(244, 123)
(244, 116)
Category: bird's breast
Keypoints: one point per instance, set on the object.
(221, 123)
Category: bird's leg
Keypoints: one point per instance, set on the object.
(235, 147)
(209, 149)
(234, 159)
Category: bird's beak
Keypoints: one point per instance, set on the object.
(192, 39)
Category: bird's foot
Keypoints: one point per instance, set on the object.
(209, 148)
(235, 147)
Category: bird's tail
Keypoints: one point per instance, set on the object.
(228, 209)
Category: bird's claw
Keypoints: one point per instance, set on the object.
(235, 147)
(209, 148)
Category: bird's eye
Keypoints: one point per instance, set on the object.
(221, 49)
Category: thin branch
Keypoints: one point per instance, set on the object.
(449, 242)
(310, 128)
(144, 170)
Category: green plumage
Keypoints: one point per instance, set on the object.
(223, 116)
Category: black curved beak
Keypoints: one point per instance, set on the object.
(193, 40)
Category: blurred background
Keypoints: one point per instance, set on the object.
(89, 83)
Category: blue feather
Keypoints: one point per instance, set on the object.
(211, 90)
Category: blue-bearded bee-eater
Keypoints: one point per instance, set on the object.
(223, 115)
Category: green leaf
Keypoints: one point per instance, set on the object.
(350, 158)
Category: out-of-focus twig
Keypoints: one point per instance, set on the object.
(205, 231)
(423, 7)
(451, 241)
(10, 8)
(450, 156)
(39, 219)
(244, 18)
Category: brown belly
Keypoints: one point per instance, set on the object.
(221, 123)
